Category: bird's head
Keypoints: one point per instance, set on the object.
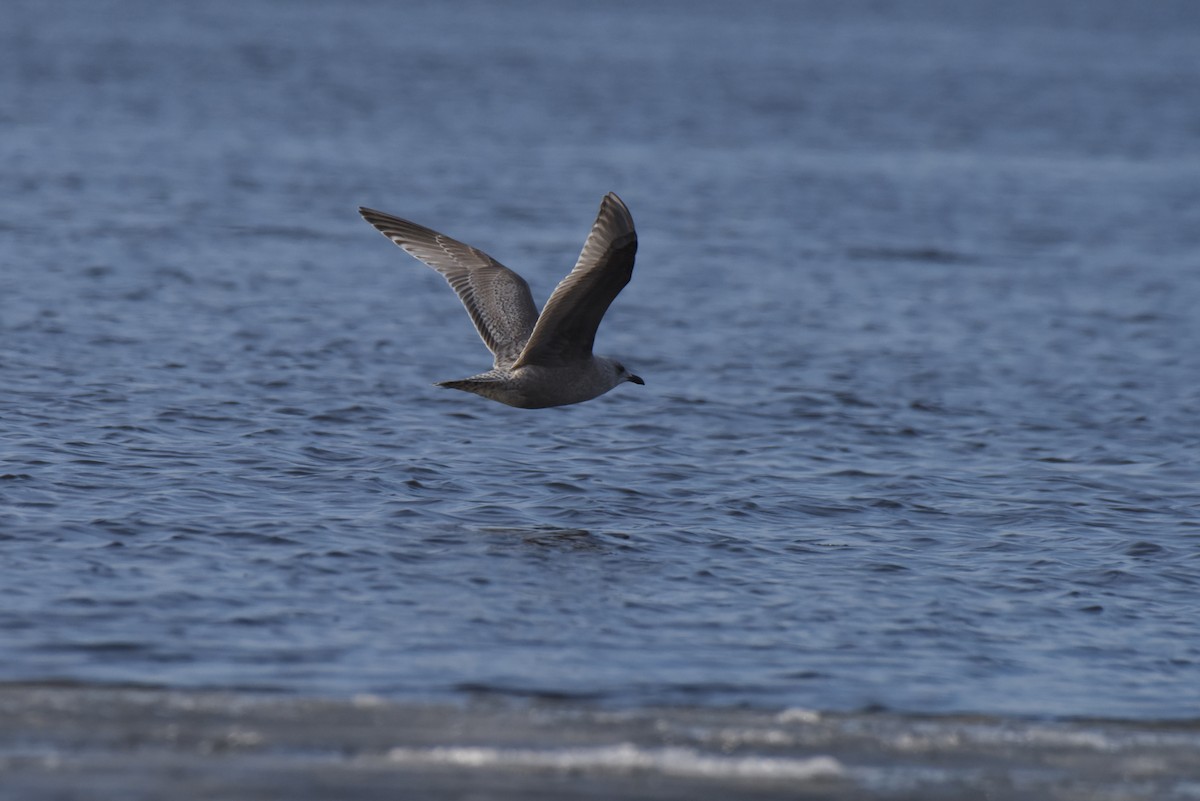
(624, 375)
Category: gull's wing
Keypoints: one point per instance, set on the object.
(567, 326)
(497, 299)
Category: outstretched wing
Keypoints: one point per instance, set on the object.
(566, 329)
(497, 299)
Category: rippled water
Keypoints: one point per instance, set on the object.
(915, 306)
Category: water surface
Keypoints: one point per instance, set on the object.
(915, 306)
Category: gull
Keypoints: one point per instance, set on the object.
(545, 359)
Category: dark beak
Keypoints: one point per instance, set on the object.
(636, 379)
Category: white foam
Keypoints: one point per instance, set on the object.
(943, 737)
(798, 715)
(627, 758)
(369, 701)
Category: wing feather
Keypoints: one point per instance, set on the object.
(566, 329)
(498, 300)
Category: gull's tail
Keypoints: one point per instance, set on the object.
(479, 384)
(490, 385)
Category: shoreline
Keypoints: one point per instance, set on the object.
(87, 742)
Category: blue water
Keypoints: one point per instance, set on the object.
(915, 303)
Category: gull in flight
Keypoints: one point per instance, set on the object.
(539, 360)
